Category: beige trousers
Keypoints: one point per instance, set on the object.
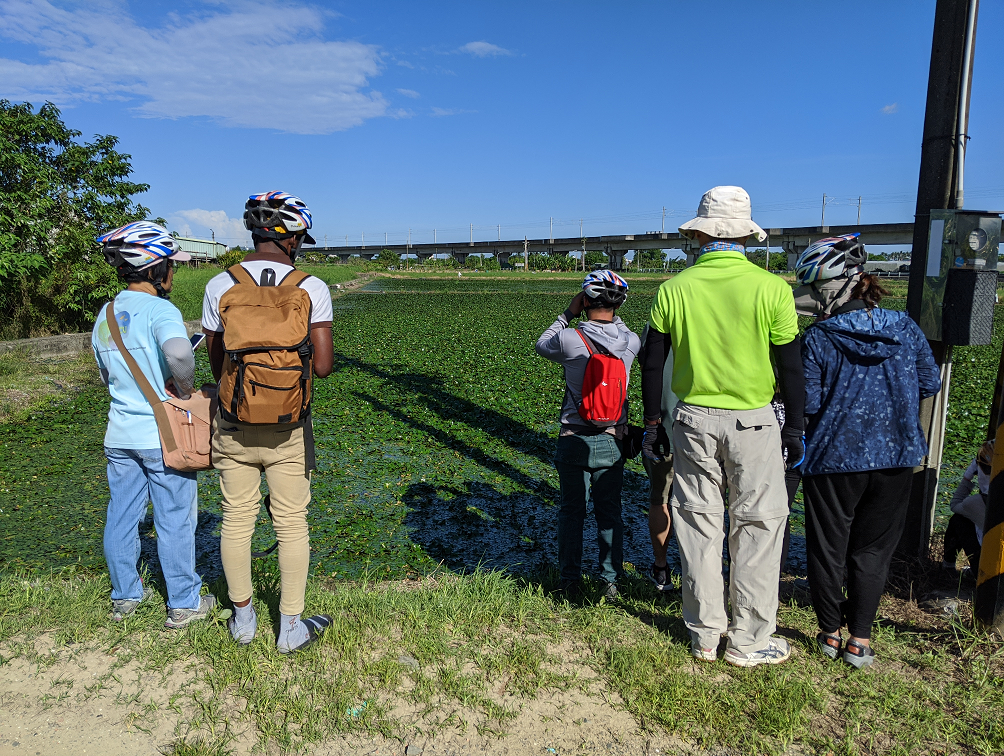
(746, 444)
(241, 453)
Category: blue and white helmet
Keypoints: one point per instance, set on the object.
(140, 245)
(830, 258)
(606, 288)
(277, 215)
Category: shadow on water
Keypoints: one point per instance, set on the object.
(475, 525)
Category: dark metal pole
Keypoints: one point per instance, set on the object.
(936, 190)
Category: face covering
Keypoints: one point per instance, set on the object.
(824, 297)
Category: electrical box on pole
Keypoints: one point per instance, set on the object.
(960, 277)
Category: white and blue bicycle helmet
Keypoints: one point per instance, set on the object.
(830, 258)
(605, 288)
(277, 215)
(140, 245)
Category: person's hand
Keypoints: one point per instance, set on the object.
(655, 443)
(575, 308)
(792, 448)
(171, 389)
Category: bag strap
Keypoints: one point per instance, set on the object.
(294, 278)
(240, 275)
(163, 423)
(589, 347)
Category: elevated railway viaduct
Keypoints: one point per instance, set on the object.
(792, 240)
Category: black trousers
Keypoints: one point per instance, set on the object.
(961, 534)
(853, 522)
(791, 480)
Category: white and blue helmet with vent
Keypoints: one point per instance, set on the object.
(830, 258)
(606, 288)
(140, 245)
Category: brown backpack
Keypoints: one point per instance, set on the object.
(268, 365)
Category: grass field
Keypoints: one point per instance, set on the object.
(435, 434)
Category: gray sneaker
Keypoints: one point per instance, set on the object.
(776, 651)
(122, 608)
(178, 618)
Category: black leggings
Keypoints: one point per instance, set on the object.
(791, 481)
(853, 523)
(961, 534)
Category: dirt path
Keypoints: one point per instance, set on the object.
(78, 705)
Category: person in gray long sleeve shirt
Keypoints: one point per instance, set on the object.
(590, 456)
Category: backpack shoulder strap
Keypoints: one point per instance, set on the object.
(294, 278)
(240, 275)
(589, 346)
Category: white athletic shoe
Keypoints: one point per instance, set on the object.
(776, 651)
(703, 654)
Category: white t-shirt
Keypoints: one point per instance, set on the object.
(320, 295)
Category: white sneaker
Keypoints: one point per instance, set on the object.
(776, 651)
(703, 654)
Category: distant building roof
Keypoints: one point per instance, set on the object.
(201, 249)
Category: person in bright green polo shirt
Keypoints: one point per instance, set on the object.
(725, 319)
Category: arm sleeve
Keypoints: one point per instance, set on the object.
(321, 310)
(963, 490)
(180, 361)
(813, 377)
(928, 373)
(657, 346)
(791, 375)
(101, 368)
(549, 343)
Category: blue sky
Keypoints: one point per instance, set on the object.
(390, 116)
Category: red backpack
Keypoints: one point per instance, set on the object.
(604, 386)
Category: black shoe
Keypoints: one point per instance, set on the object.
(570, 590)
(610, 592)
(660, 576)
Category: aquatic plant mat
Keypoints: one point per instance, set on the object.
(432, 537)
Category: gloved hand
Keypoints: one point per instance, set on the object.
(792, 448)
(655, 443)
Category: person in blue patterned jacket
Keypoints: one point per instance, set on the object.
(866, 370)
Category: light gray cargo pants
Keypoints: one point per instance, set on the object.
(747, 444)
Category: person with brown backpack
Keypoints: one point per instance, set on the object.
(268, 328)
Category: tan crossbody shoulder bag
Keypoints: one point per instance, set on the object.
(185, 425)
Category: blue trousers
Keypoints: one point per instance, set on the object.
(590, 464)
(136, 477)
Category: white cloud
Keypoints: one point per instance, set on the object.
(890, 109)
(483, 49)
(409, 93)
(440, 112)
(201, 224)
(242, 64)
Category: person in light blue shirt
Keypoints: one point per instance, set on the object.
(154, 333)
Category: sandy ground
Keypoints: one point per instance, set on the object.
(71, 706)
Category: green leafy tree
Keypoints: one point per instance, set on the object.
(388, 257)
(231, 257)
(57, 194)
(778, 260)
(649, 258)
(595, 258)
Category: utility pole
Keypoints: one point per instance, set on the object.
(385, 238)
(663, 219)
(500, 232)
(859, 211)
(822, 220)
(364, 239)
(526, 254)
(552, 230)
(945, 124)
(766, 262)
(472, 234)
(212, 234)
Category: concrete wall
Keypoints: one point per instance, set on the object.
(66, 345)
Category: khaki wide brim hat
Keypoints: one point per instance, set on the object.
(724, 213)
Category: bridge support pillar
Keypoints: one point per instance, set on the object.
(503, 258)
(615, 257)
(460, 257)
(344, 257)
(422, 257)
(367, 255)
